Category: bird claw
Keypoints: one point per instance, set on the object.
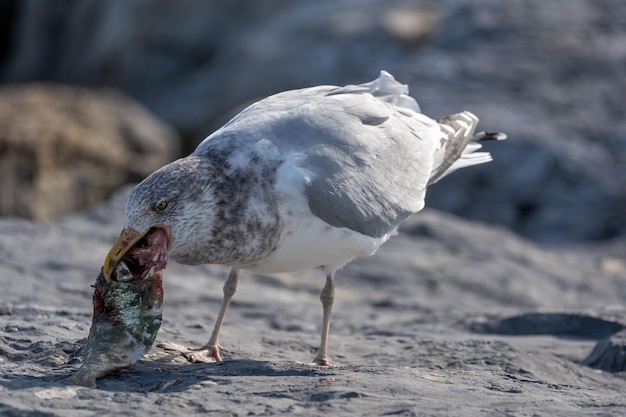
(202, 354)
(322, 362)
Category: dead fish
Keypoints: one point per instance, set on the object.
(127, 309)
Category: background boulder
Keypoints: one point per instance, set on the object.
(65, 148)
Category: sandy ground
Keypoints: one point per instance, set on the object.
(450, 318)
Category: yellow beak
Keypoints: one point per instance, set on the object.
(124, 242)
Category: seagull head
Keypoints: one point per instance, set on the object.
(165, 214)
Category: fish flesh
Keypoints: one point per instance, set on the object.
(127, 311)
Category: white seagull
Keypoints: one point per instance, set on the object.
(304, 178)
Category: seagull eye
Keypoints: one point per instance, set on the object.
(162, 205)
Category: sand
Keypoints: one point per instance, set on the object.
(449, 318)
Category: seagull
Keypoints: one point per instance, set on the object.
(301, 179)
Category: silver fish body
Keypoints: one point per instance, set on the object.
(127, 314)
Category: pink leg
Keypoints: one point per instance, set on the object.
(327, 297)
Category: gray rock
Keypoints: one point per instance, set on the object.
(558, 324)
(609, 354)
(64, 149)
(551, 76)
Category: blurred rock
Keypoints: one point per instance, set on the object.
(64, 149)
(193, 62)
(410, 24)
(539, 192)
(549, 74)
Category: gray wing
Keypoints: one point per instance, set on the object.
(372, 173)
(367, 152)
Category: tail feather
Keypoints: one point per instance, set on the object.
(459, 145)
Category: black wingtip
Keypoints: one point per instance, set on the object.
(480, 136)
